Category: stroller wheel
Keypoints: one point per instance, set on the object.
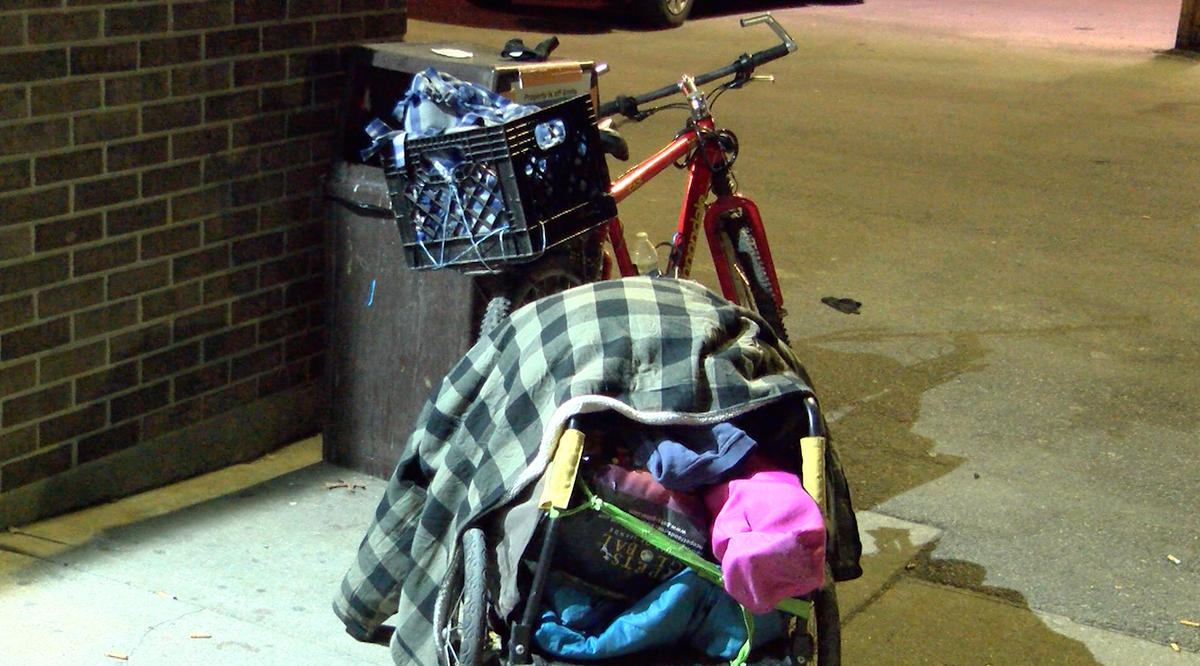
(466, 631)
(819, 641)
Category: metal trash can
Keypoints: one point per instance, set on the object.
(395, 332)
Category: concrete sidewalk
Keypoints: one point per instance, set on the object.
(239, 567)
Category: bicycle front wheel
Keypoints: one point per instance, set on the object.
(749, 275)
(552, 273)
(466, 631)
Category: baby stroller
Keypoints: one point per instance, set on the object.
(462, 550)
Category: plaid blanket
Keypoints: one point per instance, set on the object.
(657, 350)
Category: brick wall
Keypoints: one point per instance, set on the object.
(160, 227)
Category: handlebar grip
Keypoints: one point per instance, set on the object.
(767, 55)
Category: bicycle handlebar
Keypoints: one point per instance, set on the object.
(744, 66)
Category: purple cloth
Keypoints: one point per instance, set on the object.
(768, 534)
(686, 458)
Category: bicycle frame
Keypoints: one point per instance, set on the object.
(696, 212)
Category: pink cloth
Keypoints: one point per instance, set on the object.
(768, 535)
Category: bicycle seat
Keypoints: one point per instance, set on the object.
(613, 143)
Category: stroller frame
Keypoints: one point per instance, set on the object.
(815, 637)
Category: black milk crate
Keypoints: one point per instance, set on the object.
(502, 199)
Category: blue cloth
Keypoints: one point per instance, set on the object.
(683, 610)
(436, 103)
(686, 458)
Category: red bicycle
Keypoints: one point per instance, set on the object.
(731, 222)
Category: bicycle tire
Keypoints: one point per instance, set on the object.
(757, 281)
(468, 588)
(549, 275)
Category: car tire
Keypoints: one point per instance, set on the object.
(663, 13)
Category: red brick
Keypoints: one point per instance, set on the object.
(232, 165)
(287, 269)
(201, 381)
(202, 15)
(229, 342)
(108, 381)
(287, 36)
(258, 248)
(287, 154)
(138, 217)
(339, 31)
(202, 142)
(16, 311)
(171, 241)
(283, 379)
(18, 442)
(305, 345)
(44, 464)
(69, 97)
(259, 11)
(314, 121)
(139, 342)
(257, 306)
(203, 203)
(12, 30)
(200, 264)
(139, 280)
(33, 273)
(103, 59)
(17, 378)
(73, 424)
(229, 285)
(26, 66)
(33, 205)
(305, 180)
(200, 322)
(315, 63)
(231, 225)
(70, 297)
(99, 321)
(256, 362)
(169, 179)
(61, 27)
(33, 406)
(289, 212)
(257, 190)
(259, 131)
(219, 402)
(163, 303)
(106, 192)
(137, 154)
(170, 115)
(230, 106)
(169, 51)
(258, 71)
(14, 103)
(304, 292)
(142, 401)
(198, 79)
(230, 43)
(175, 417)
(104, 257)
(70, 362)
(68, 166)
(289, 323)
(109, 442)
(170, 362)
(139, 20)
(65, 233)
(105, 126)
(393, 24)
(16, 243)
(286, 97)
(15, 175)
(304, 8)
(135, 89)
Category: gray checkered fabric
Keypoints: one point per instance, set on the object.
(657, 350)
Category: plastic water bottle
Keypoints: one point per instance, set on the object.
(644, 256)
